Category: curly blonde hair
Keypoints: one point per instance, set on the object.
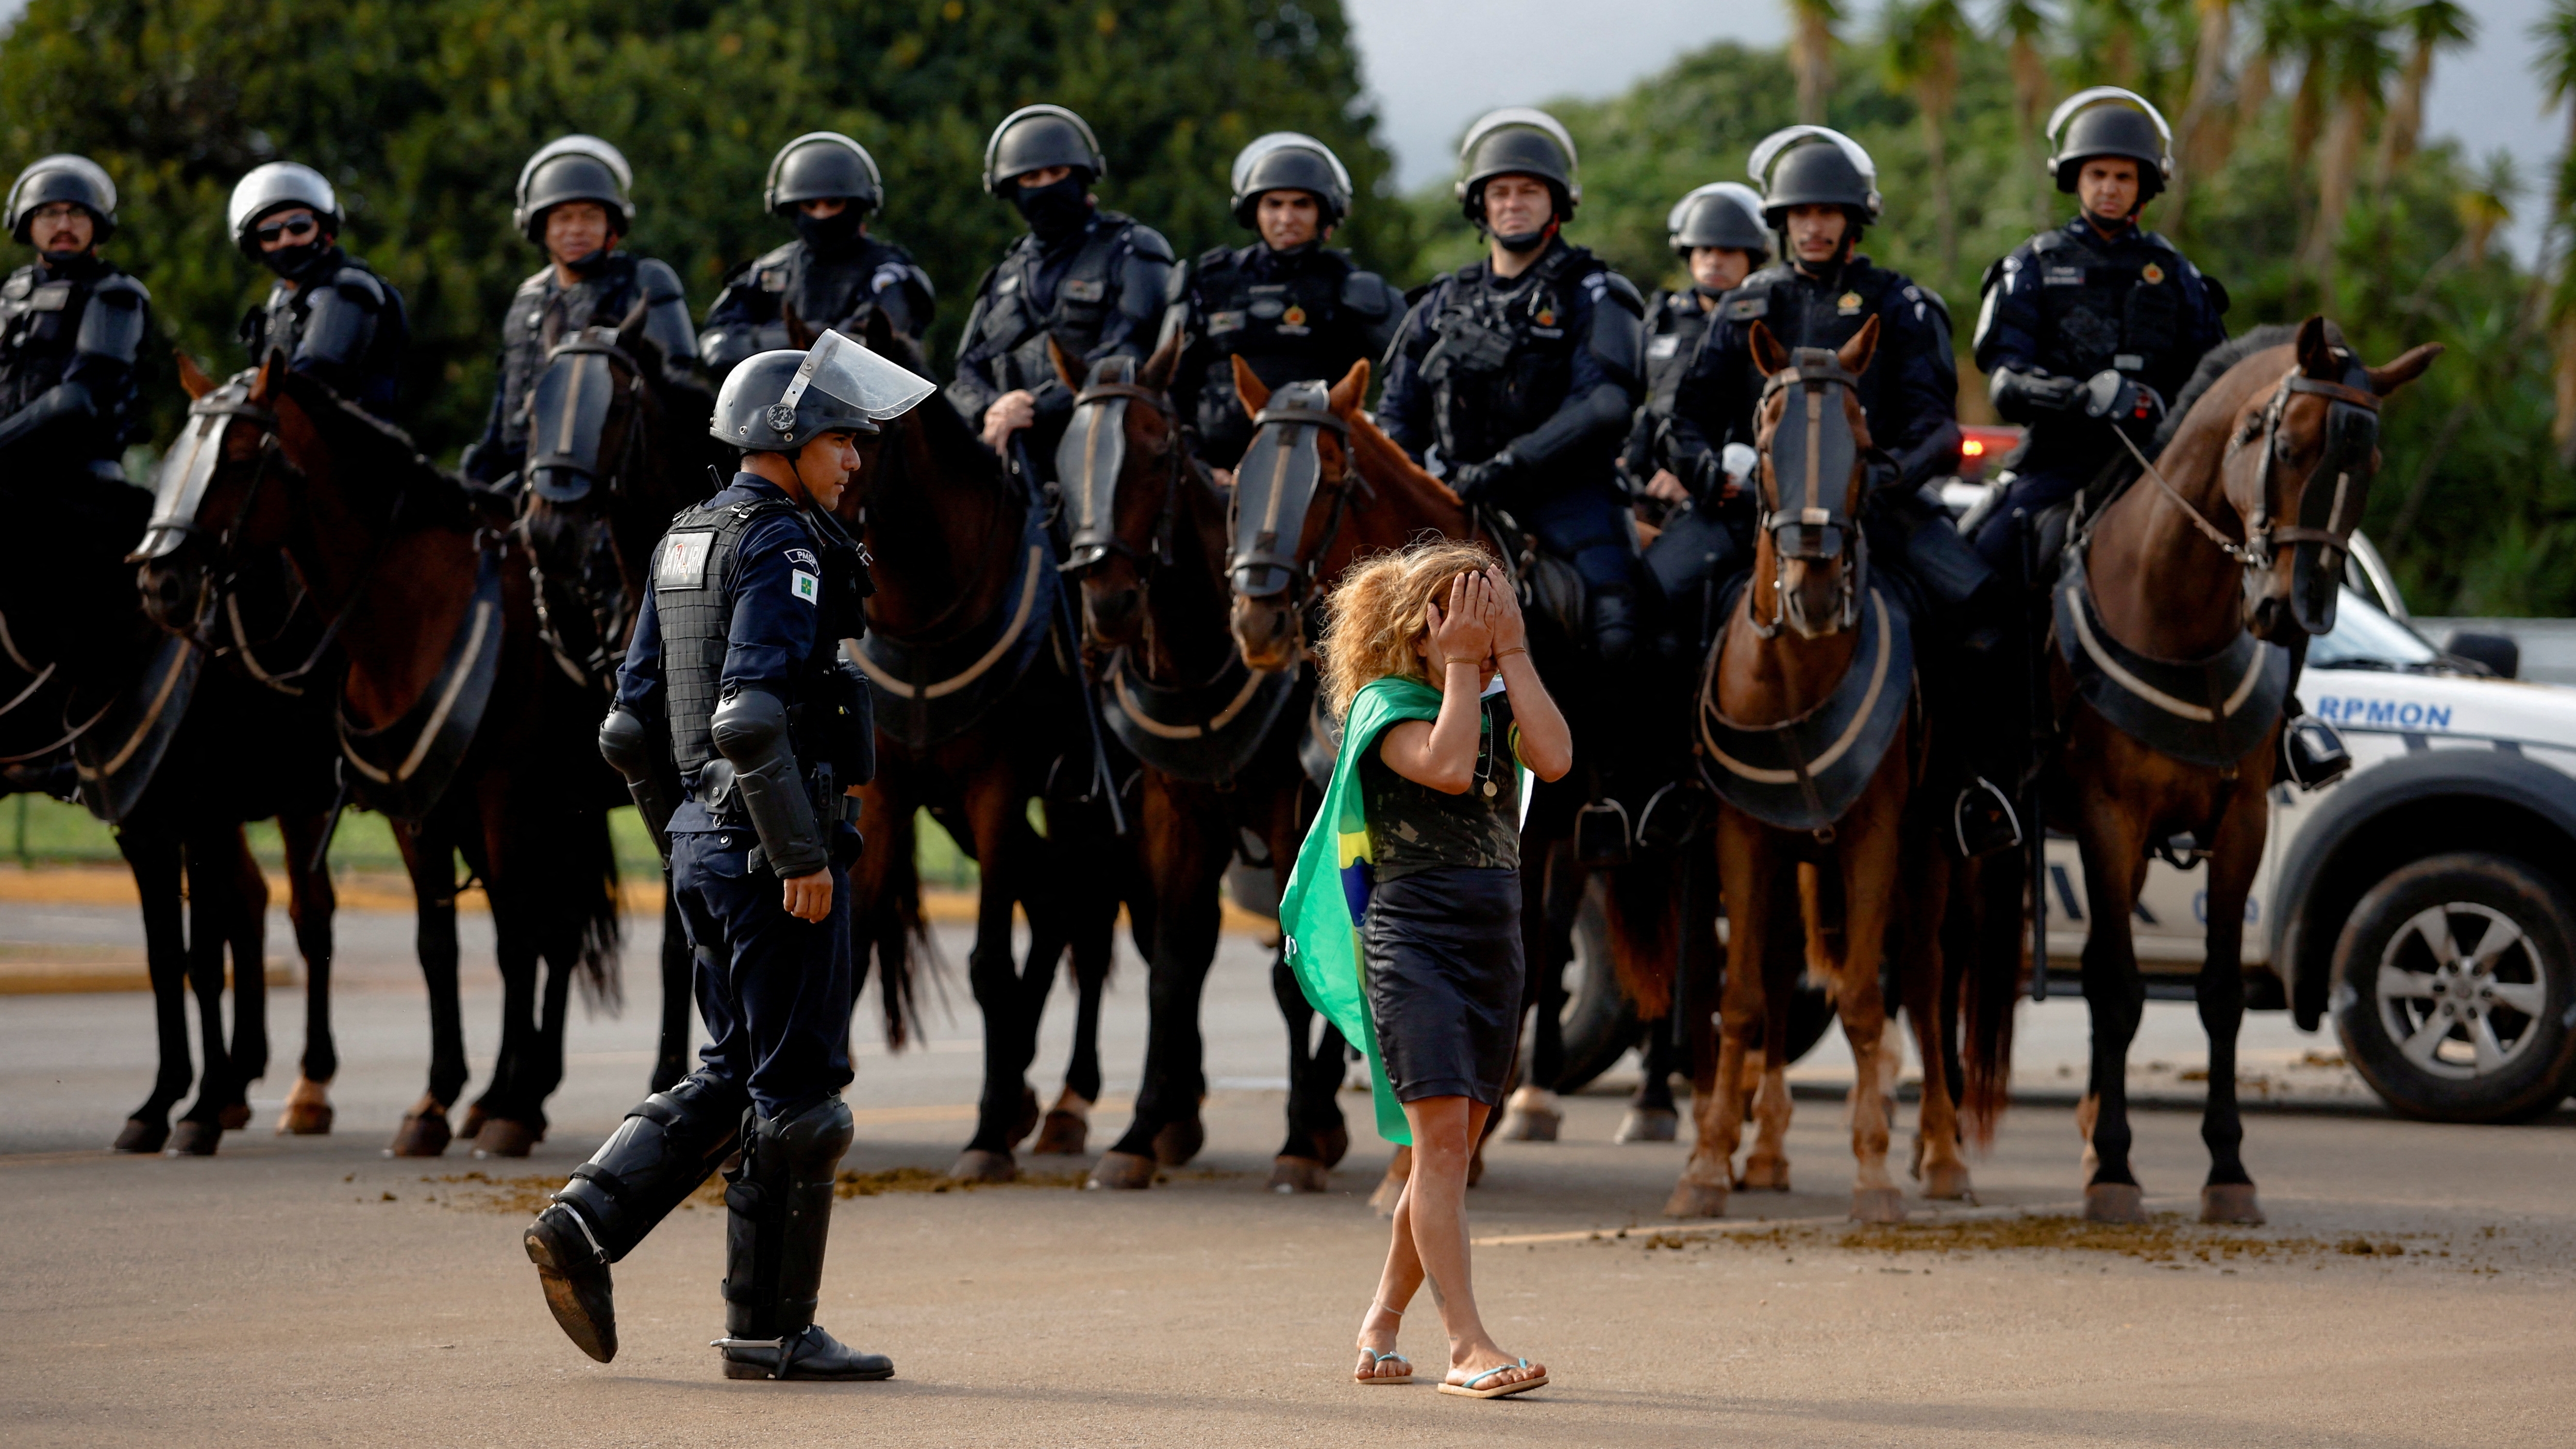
(1378, 610)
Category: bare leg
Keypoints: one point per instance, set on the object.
(1432, 1221)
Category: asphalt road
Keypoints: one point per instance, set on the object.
(2410, 1290)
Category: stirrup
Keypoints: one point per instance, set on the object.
(2312, 752)
(1982, 820)
(1601, 835)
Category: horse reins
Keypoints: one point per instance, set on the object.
(1813, 371)
(2263, 540)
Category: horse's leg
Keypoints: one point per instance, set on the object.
(1747, 867)
(1185, 849)
(2228, 1197)
(1004, 845)
(2114, 845)
(429, 856)
(1792, 941)
(1061, 912)
(247, 935)
(679, 977)
(1651, 1115)
(153, 854)
(213, 881)
(1931, 1002)
(511, 1120)
(1873, 841)
(1092, 927)
(1533, 1113)
(310, 903)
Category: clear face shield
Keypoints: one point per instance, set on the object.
(857, 379)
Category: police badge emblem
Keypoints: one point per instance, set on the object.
(1847, 305)
(1295, 316)
(2152, 275)
(782, 419)
(1546, 317)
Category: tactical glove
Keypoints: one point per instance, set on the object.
(2121, 399)
(1475, 482)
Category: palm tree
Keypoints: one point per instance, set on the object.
(2357, 61)
(2487, 204)
(1922, 56)
(2206, 134)
(2023, 28)
(2555, 62)
(2430, 26)
(1811, 53)
(2118, 23)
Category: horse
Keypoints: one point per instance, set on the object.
(618, 444)
(1217, 739)
(2178, 618)
(1810, 730)
(449, 720)
(973, 678)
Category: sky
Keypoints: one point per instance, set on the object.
(1432, 66)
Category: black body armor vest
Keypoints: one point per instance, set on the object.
(1674, 326)
(1288, 325)
(1014, 332)
(1804, 311)
(828, 711)
(2101, 311)
(838, 292)
(602, 298)
(1503, 359)
(39, 319)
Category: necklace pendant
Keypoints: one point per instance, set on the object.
(1492, 790)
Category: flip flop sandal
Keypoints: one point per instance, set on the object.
(1468, 1390)
(1405, 1377)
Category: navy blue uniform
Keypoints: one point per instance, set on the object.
(1540, 368)
(360, 354)
(2070, 304)
(836, 291)
(544, 311)
(774, 991)
(1303, 313)
(1097, 290)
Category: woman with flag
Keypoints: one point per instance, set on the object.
(1404, 912)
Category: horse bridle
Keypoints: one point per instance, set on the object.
(1292, 407)
(1095, 531)
(1813, 526)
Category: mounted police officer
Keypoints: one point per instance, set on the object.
(1717, 234)
(71, 328)
(329, 312)
(1093, 280)
(1522, 368)
(834, 274)
(1289, 306)
(572, 202)
(2088, 331)
(738, 730)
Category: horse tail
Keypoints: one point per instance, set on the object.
(594, 892)
(1642, 908)
(889, 927)
(1992, 990)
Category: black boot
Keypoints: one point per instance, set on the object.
(656, 1158)
(1611, 615)
(780, 1199)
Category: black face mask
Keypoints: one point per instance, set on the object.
(1054, 210)
(293, 262)
(834, 234)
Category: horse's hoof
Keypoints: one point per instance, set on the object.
(1765, 1174)
(976, 1165)
(1334, 1143)
(2114, 1202)
(142, 1136)
(1027, 1120)
(234, 1118)
(1062, 1134)
(1648, 1124)
(1390, 1191)
(194, 1137)
(308, 1110)
(1948, 1182)
(1178, 1142)
(1877, 1205)
(1696, 1200)
(1299, 1174)
(1121, 1169)
(503, 1137)
(2230, 1202)
(1531, 1116)
(422, 1134)
(472, 1127)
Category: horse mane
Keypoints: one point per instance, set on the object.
(2216, 363)
(1367, 435)
(435, 498)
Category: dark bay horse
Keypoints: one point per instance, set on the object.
(2179, 613)
(617, 445)
(1810, 735)
(451, 719)
(1218, 740)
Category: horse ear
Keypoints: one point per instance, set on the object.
(2316, 347)
(1769, 356)
(1158, 370)
(1249, 387)
(272, 373)
(1856, 354)
(1346, 394)
(2410, 364)
(191, 376)
(878, 332)
(1063, 365)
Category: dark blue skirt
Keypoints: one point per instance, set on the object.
(1443, 948)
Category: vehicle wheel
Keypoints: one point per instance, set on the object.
(1600, 1022)
(2453, 983)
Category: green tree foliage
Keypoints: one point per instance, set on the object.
(421, 112)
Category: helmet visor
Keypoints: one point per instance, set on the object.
(859, 379)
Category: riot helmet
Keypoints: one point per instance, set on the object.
(2109, 121)
(276, 187)
(777, 402)
(76, 179)
(1720, 214)
(1814, 166)
(1290, 161)
(1033, 138)
(573, 168)
(1517, 140)
(819, 165)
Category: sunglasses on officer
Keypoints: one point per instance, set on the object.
(292, 228)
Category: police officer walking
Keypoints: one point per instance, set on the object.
(1522, 368)
(738, 730)
(834, 274)
(1093, 280)
(1288, 305)
(572, 202)
(2088, 331)
(71, 328)
(333, 317)
(1718, 235)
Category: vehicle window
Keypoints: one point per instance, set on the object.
(2366, 638)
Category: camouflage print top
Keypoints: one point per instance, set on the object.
(1413, 827)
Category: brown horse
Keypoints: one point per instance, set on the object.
(450, 718)
(2242, 518)
(1217, 741)
(1811, 739)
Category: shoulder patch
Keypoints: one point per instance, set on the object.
(1745, 309)
(805, 586)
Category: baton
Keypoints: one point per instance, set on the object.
(1057, 543)
(2034, 814)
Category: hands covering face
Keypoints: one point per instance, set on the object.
(1483, 619)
